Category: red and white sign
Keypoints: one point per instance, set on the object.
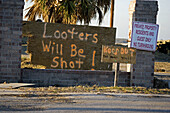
(144, 36)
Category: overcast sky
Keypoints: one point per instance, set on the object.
(122, 18)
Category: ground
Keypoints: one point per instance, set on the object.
(162, 62)
(162, 67)
(31, 101)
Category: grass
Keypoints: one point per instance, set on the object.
(25, 63)
(161, 57)
(97, 89)
(162, 67)
(162, 62)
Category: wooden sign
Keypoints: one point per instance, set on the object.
(118, 54)
(60, 46)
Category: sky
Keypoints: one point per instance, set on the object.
(121, 18)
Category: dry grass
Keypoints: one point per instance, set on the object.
(97, 89)
(162, 62)
(25, 63)
(162, 67)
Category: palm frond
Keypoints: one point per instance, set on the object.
(68, 11)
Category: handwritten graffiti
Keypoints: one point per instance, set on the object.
(59, 46)
(117, 54)
(75, 52)
(64, 35)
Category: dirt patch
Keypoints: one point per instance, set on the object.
(42, 98)
(162, 62)
(31, 100)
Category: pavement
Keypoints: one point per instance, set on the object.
(10, 89)
(10, 92)
(118, 94)
(163, 76)
(15, 85)
(86, 103)
(21, 101)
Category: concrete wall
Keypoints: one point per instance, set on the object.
(47, 77)
(142, 73)
(11, 12)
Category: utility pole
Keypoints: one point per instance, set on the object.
(112, 13)
(111, 25)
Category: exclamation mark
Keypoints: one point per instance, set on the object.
(61, 49)
(93, 59)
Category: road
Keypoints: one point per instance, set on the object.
(85, 103)
(163, 77)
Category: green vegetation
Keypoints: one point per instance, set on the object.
(161, 57)
(68, 11)
(162, 62)
(163, 46)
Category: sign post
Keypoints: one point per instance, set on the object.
(111, 25)
(117, 54)
(116, 74)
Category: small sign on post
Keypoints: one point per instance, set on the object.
(118, 54)
(144, 36)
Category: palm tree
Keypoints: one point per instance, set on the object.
(54, 11)
(68, 11)
(88, 9)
